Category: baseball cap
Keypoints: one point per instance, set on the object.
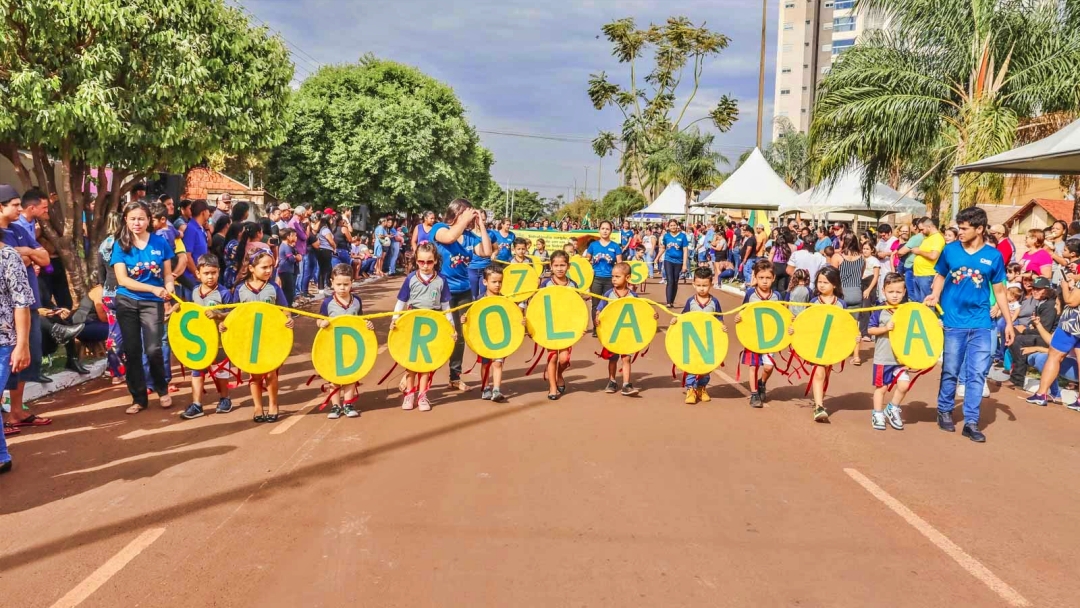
(1041, 283)
(329, 211)
(997, 229)
(284, 207)
(7, 193)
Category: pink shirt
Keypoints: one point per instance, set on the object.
(1035, 262)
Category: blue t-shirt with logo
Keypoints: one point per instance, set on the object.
(625, 236)
(456, 257)
(16, 235)
(479, 262)
(674, 246)
(969, 281)
(146, 265)
(603, 257)
(502, 245)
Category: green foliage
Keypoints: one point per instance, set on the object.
(789, 155)
(577, 209)
(380, 133)
(649, 125)
(689, 160)
(525, 204)
(949, 83)
(621, 202)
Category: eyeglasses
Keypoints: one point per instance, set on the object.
(426, 262)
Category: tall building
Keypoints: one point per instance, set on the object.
(812, 33)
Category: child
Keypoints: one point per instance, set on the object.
(541, 250)
(620, 288)
(520, 252)
(1012, 275)
(259, 288)
(209, 293)
(427, 289)
(558, 361)
(886, 368)
(342, 302)
(570, 248)
(639, 256)
(701, 301)
(762, 291)
(800, 290)
(1015, 295)
(827, 292)
(288, 262)
(492, 369)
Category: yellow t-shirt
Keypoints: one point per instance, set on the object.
(178, 246)
(922, 266)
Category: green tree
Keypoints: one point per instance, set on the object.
(949, 82)
(138, 87)
(621, 202)
(789, 155)
(689, 160)
(381, 133)
(648, 109)
(578, 209)
(525, 204)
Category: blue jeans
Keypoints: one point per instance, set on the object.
(5, 372)
(967, 359)
(748, 270)
(395, 252)
(909, 283)
(693, 381)
(649, 260)
(309, 274)
(476, 282)
(736, 258)
(921, 288)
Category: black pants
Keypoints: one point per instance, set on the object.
(672, 272)
(864, 317)
(457, 299)
(600, 286)
(288, 285)
(1019, 361)
(325, 258)
(58, 282)
(780, 271)
(138, 318)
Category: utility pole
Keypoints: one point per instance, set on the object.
(506, 208)
(586, 180)
(599, 178)
(761, 75)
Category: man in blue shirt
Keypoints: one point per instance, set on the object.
(195, 240)
(968, 269)
(624, 236)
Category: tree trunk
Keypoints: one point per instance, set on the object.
(67, 247)
(10, 151)
(686, 218)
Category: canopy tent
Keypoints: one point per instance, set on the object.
(672, 201)
(1055, 154)
(754, 185)
(846, 196)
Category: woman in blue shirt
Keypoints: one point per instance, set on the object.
(480, 262)
(674, 245)
(603, 254)
(460, 236)
(143, 264)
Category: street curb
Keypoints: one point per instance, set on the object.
(63, 380)
(733, 290)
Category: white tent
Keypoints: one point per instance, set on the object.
(672, 201)
(1055, 154)
(846, 196)
(754, 185)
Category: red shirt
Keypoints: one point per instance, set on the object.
(1005, 248)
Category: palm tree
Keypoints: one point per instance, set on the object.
(690, 160)
(789, 155)
(949, 82)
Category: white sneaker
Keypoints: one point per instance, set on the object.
(335, 412)
(892, 414)
(409, 402)
(425, 405)
(877, 419)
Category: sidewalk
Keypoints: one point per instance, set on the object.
(63, 379)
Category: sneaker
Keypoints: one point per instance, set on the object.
(611, 387)
(703, 395)
(1074, 406)
(486, 393)
(972, 432)
(820, 415)
(986, 390)
(628, 390)
(1037, 399)
(409, 402)
(892, 414)
(224, 405)
(945, 423)
(691, 396)
(193, 411)
(877, 420)
(497, 396)
(335, 412)
(755, 399)
(350, 411)
(761, 391)
(425, 405)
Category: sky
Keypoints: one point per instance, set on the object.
(522, 66)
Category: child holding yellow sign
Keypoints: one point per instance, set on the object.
(620, 288)
(426, 289)
(258, 288)
(887, 370)
(762, 364)
(702, 301)
(491, 370)
(827, 290)
(559, 360)
(342, 302)
(209, 293)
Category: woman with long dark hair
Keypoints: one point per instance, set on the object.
(218, 239)
(459, 237)
(603, 253)
(143, 264)
(852, 265)
(781, 253)
(324, 251)
(342, 239)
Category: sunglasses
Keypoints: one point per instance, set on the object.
(426, 262)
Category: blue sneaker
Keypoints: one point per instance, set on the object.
(193, 411)
(1037, 399)
(1074, 406)
(224, 405)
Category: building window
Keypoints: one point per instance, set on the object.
(789, 5)
(839, 46)
(787, 48)
(844, 5)
(828, 5)
(804, 110)
(785, 91)
(806, 66)
(807, 22)
(843, 24)
(804, 88)
(790, 25)
(785, 70)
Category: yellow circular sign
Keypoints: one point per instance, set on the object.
(193, 336)
(538, 264)
(697, 343)
(763, 327)
(581, 272)
(345, 351)
(556, 317)
(495, 327)
(917, 338)
(519, 281)
(639, 272)
(824, 335)
(256, 339)
(422, 340)
(627, 326)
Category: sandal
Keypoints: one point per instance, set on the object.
(135, 409)
(10, 429)
(271, 418)
(32, 420)
(259, 418)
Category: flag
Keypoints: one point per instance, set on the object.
(585, 220)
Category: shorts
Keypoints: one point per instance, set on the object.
(610, 356)
(1063, 341)
(484, 361)
(553, 353)
(886, 375)
(221, 364)
(757, 360)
